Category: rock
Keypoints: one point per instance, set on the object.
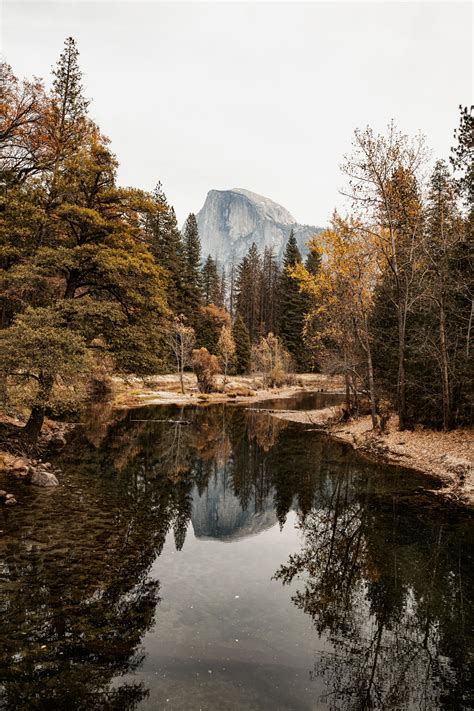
(57, 441)
(20, 465)
(3, 494)
(9, 496)
(231, 220)
(41, 477)
(11, 502)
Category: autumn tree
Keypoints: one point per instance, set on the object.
(180, 339)
(383, 178)
(342, 293)
(226, 348)
(23, 118)
(271, 360)
(206, 367)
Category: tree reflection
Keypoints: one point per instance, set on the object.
(388, 592)
(388, 589)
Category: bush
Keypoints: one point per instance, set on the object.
(206, 367)
(273, 362)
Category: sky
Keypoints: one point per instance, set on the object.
(257, 95)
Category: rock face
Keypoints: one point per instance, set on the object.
(231, 220)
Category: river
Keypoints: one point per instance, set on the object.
(220, 558)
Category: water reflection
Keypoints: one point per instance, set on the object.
(80, 597)
(390, 589)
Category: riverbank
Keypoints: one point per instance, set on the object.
(248, 389)
(446, 456)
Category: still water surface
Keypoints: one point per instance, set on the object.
(233, 562)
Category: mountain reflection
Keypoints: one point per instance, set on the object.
(388, 588)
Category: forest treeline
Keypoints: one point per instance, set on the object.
(392, 305)
(97, 278)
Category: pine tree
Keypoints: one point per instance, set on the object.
(232, 291)
(164, 241)
(241, 338)
(313, 262)
(249, 292)
(270, 292)
(292, 306)
(67, 126)
(211, 283)
(68, 119)
(191, 284)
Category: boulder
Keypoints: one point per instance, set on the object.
(42, 477)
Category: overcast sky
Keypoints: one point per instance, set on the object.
(260, 96)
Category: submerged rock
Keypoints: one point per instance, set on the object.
(41, 477)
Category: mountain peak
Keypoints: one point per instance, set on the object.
(230, 220)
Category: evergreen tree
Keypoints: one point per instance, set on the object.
(249, 292)
(313, 262)
(462, 156)
(241, 338)
(211, 283)
(89, 285)
(270, 292)
(191, 283)
(164, 240)
(292, 306)
(70, 105)
(232, 291)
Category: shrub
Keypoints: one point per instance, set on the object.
(271, 360)
(206, 367)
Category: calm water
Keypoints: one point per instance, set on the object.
(301, 401)
(233, 562)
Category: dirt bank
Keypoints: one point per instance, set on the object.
(447, 456)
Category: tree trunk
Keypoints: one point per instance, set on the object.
(225, 372)
(444, 369)
(32, 429)
(347, 384)
(181, 368)
(401, 384)
(373, 408)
